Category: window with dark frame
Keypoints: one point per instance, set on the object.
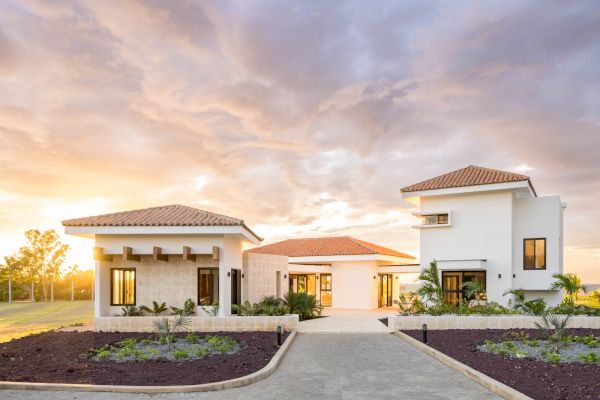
(208, 286)
(434, 219)
(534, 253)
(122, 286)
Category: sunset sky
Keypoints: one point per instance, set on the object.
(302, 118)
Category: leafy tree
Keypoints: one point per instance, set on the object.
(431, 286)
(571, 284)
(43, 255)
(11, 267)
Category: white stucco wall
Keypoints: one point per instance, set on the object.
(492, 226)
(538, 218)
(481, 229)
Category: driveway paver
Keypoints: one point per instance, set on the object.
(350, 366)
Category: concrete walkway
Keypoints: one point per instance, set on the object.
(329, 367)
(347, 321)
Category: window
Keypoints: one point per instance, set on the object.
(122, 286)
(303, 283)
(326, 290)
(452, 282)
(534, 253)
(208, 286)
(434, 219)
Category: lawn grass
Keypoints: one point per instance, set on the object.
(24, 318)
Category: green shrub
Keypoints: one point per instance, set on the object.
(191, 338)
(532, 343)
(200, 351)
(180, 355)
(129, 342)
(154, 352)
(156, 309)
(589, 358)
(220, 344)
(146, 341)
(303, 304)
(103, 354)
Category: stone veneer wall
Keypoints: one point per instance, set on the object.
(172, 281)
(260, 272)
(399, 322)
(201, 324)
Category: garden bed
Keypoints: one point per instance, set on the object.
(71, 357)
(537, 379)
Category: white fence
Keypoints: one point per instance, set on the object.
(201, 324)
(400, 322)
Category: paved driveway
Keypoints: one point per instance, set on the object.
(323, 366)
(347, 321)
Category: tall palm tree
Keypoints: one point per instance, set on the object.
(431, 286)
(570, 283)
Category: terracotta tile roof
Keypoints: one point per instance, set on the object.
(468, 176)
(171, 215)
(326, 246)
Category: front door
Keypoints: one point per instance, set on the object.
(236, 288)
(385, 290)
(451, 285)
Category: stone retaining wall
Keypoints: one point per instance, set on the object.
(201, 324)
(400, 322)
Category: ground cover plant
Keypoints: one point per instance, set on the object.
(524, 360)
(135, 358)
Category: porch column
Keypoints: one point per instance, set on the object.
(97, 290)
(224, 286)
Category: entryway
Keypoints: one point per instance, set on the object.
(348, 321)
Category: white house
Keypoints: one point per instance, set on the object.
(489, 225)
(167, 254)
(344, 272)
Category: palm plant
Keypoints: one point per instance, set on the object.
(535, 306)
(303, 304)
(188, 308)
(596, 295)
(431, 286)
(473, 289)
(166, 329)
(130, 311)
(571, 284)
(156, 309)
(555, 324)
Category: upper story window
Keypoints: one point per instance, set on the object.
(122, 287)
(434, 219)
(534, 253)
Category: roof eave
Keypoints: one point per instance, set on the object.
(471, 189)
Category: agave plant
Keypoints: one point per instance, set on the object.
(156, 309)
(431, 287)
(166, 329)
(556, 325)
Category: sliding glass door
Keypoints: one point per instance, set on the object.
(452, 284)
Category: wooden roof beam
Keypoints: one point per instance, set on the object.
(129, 256)
(100, 256)
(157, 254)
(187, 254)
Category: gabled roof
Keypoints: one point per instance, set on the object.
(326, 246)
(468, 176)
(170, 215)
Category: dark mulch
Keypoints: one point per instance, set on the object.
(536, 379)
(63, 357)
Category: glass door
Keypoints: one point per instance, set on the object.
(385, 290)
(305, 283)
(326, 290)
(451, 282)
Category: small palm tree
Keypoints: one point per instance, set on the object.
(167, 329)
(473, 289)
(156, 309)
(557, 325)
(571, 284)
(518, 303)
(431, 287)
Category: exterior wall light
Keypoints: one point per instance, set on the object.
(499, 276)
(229, 274)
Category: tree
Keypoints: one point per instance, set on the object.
(71, 274)
(431, 287)
(43, 255)
(11, 266)
(571, 284)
